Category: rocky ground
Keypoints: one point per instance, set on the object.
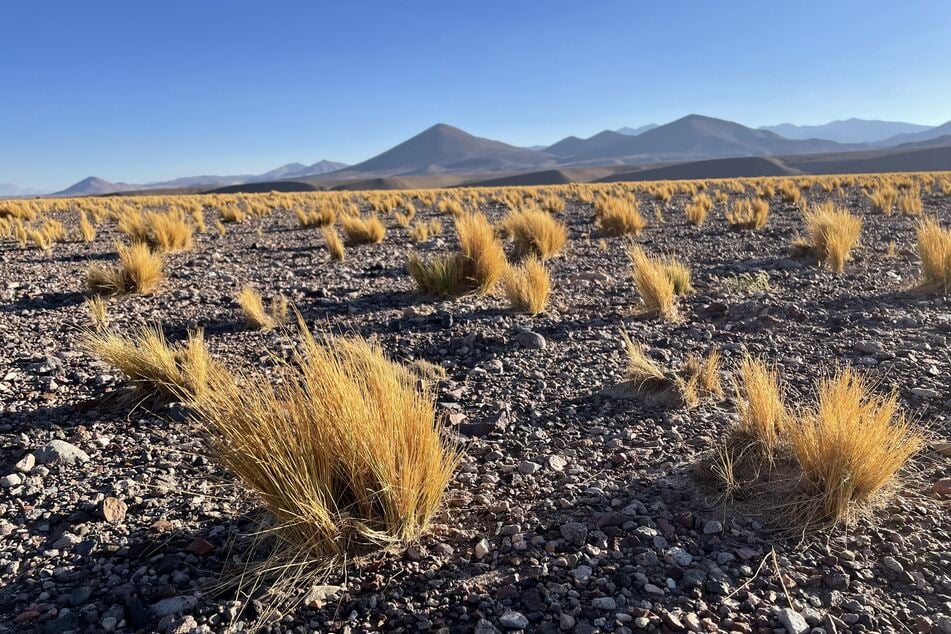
(573, 510)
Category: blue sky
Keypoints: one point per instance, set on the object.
(135, 91)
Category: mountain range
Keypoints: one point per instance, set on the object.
(443, 155)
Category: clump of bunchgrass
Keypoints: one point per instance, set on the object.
(748, 214)
(619, 216)
(934, 247)
(535, 232)
(346, 455)
(363, 229)
(139, 271)
(653, 283)
(527, 286)
(833, 232)
(256, 314)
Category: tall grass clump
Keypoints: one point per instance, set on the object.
(363, 229)
(763, 417)
(86, 229)
(909, 203)
(158, 371)
(934, 247)
(170, 231)
(476, 267)
(619, 216)
(748, 214)
(653, 284)
(527, 286)
(368, 465)
(851, 445)
(883, 200)
(334, 243)
(535, 232)
(833, 232)
(255, 313)
(697, 209)
(139, 271)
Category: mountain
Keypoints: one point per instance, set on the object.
(918, 137)
(93, 186)
(12, 190)
(299, 170)
(636, 131)
(847, 131)
(448, 148)
(691, 137)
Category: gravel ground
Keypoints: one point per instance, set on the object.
(573, 510)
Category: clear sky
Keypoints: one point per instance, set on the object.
(137, 91)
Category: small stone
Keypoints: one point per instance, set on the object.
(574, 532)
(582, 573)
(512, 620)
(943, 448)
(942, 487)
(566, 621)
(482, 548)
(531, 340)
(173, 605)
(793, 621)
(113, 510)
(528, 468)
(924, 392)
(200, 546)
(557, 463)
(680, 556)
(320, 595)
(11, 480)
(61, 452)
(712, 527)
(26, 463)
(893, 564)
(604, 603)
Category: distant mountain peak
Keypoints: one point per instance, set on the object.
(851, 130)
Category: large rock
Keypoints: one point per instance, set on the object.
(61, 452)
(793, 621)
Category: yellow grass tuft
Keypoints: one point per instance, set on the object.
(334, 243)
(363, 229)
(852, 445)
(256, 314)
(619, 216)
(883, 200)
(833, 232)
(139, 271)
(156, 370)
(423, 230)
(527, 286)
(535, 232)
(934, 247)
(367, 466)
(909, 204)
(98, 312)
(679, 274)
(653, 284)
(748, 214)
(170, 231)
(482, 250)
(86, 228)
(760, 405)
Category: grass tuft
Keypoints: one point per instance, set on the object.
(139, 271)
(363, 229)
(528, 286)
(256, 314)
(748, 214)
(653, 283)
(833, 232)
(934, 246)
(535, 232)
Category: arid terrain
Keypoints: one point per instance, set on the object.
(578, 504)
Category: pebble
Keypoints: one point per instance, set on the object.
(61, 452)
(512, 620)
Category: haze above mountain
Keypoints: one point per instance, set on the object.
(848, 130)
(443, 151)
